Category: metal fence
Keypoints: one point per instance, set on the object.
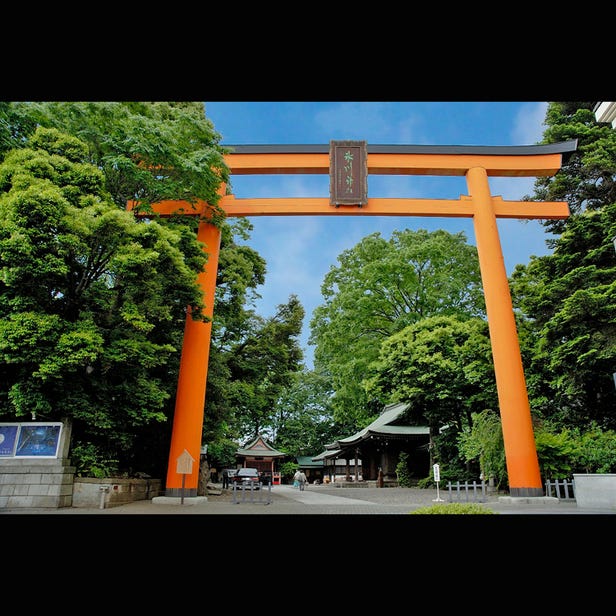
(564, 489)
(476, 492)
(466, 491)
(258, 495)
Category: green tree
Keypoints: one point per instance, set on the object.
(483, 442)
(16, 123)
(595, 450)
(555, 451)
(147, 151)
(380, 287)
(261, 365)
(303, 415)
(566, 301)
(86, 298)
(443, 367)
(402, 470)
(144, 152)
(586, 179)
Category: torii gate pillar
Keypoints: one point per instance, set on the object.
(518, 436)
(190, 397)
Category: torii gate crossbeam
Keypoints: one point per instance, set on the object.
(477, 164)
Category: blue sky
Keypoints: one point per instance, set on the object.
(300, 250)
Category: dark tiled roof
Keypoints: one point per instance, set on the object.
(308, 462)
(381, 426)
(563, 147)
(259, 447)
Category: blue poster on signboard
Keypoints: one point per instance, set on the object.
(7, 439)
(38, 440)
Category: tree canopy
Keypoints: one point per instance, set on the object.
(303, 415)
(96, 297)
(566, 301)
(147, 152)
(87, 296)
(380, 287)
(442, 366)
(259, 365)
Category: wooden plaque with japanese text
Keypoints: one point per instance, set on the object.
(348, 173)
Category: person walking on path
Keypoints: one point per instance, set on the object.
(300, 479)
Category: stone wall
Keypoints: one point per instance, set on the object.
(595, 490)
(32, 482)
(112, 492)
(36, 483)
(52, 484)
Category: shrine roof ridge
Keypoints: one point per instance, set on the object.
(562, 147)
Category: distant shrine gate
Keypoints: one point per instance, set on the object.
(349, 163)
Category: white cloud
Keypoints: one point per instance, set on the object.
(375, 122)
(528, 125)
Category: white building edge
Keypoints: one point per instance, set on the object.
(606, 112)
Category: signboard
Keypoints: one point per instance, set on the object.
(348, 173)
(29, 440)
(8, 439)
(437, 472)
(184, 463)
(38, 440)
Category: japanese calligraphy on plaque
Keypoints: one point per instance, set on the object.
(348, 173)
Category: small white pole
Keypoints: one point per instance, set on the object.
(437, 477)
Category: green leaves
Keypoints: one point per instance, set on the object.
(379, 288)
(482, 441)
(92, 301)
(146, 151)
(77, 346)
(442, 365)
(568, 299)
(23, 335)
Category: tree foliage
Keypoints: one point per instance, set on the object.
(87, 320)
(269, 357)
(482, 441)
(403, 473)
(586, 179)
(303, 415)
(380, 287)
(259, 365)
(147, 152)
(443, 367)
(595, 450)
(567, 299)
(97, 298)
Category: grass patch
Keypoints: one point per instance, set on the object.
(454, 508)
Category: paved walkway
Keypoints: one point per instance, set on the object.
(320, 500)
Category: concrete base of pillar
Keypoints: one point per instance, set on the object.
(173, 500)
(529, 500)
(524, 492)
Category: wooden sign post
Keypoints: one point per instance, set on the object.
(184, 467)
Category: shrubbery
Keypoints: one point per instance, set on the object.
(454, 509)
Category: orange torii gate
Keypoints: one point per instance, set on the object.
(477, 164)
